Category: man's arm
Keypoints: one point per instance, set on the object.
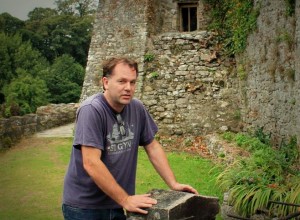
(160, 162)
(107, 183)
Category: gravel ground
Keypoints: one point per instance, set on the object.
(62, 131)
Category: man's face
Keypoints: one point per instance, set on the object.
(120, 86)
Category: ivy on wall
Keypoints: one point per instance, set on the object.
(290, 7)
(233, 20)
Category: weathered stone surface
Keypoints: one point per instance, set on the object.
(174, 205)
(53, 115)
(270, 88)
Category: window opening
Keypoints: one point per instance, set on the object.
(188, 17)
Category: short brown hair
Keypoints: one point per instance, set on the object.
(109, 65)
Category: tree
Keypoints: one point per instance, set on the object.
(20, 66)
(8, 47)
(64, 80)
(38, 14)
(76, 7)
(61, 34)
(49, 48)
(16, 54)
(29, 59)
(24, 94)
(9, 24)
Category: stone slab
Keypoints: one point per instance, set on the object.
(174, 205)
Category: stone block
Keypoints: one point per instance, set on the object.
(174, 205)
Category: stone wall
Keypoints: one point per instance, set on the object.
(116, 33)
(163, 16)
(16, 127)
(186, 88)
(270, 72)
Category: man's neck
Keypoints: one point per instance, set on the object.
(116, 109)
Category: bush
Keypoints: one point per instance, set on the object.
(24, 94)
(268, 174)
(64, 80)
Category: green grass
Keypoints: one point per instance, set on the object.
(188, 169)
(31, 177)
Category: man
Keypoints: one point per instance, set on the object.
(100, 181)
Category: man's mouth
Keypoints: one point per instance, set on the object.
(126, 96)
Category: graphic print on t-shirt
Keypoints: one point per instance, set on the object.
(118, 143)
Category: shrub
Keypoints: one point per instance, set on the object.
(268, 174)
(24, 94)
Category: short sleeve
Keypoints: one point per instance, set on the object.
(89, 128)
(149, 128)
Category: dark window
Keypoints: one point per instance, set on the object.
(188, 18)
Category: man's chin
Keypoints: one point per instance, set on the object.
(125, 101)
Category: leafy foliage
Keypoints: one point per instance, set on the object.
(268, 174)
(8, 48)
(16, 54)
(149, 57)
(64, 80)
(50, 48)
(38, 14)
(24, 94)
(29, 59)
(10, 24)
(60, 34)
(233, 20)
(19, 67)
(264, 138)
(290, 7)
(76, 7)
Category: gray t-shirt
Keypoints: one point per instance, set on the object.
(97, 126)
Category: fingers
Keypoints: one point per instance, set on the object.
(146, 199)
(136, 203)
(142, 211)
(190, 189)
(185, 188)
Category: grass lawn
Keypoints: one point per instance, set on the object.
(32, 172)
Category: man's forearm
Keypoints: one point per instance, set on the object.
(160, 162)
(102, 177)
(107, 183)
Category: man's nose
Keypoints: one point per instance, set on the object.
(128, 86)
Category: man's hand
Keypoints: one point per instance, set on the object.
(184, 188)
(135, 203)
(160, 162)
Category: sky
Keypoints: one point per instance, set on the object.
(20, 8)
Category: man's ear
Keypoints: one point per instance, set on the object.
(104, 82)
